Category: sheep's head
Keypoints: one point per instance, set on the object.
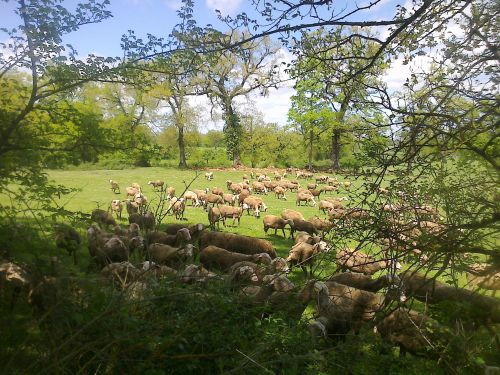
(279, 283)
(133, 229)
(247, 272)
(147, 265)
(184, 233)
(280, 265)
(188, 250)
(320, 287)
(263, 258)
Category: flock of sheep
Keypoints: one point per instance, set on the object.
(344, 302)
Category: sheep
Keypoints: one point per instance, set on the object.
(68, 239)
(195, 231)
(259, 187)
(321, 179)
(237, 243)
(345, 307)
(255, 204)
(364, 282)
(169, 255)
(209, 176)
(157, 270)
(178, 208)
(214, 216)
(214, 199)
(192, 196)
(325, 205)
(328, 188)
(484, 276)
(302, 254)
(291, 214)
(157, 184)
(102, 217)
(302, 196)
(197, 273)
(244, 193)
(230, 212)
(307, 238)
(320, 224)
(315, 193)
(412, 331)
(131, 207)
(218, 191)
(303, 226)
(136, 186)
(280, 192)
(117, 207)
(182, 237)
(105, 250)
(170, 192)
(114, 186)
(140, 199)
(15, 278)
(270, 185)
(311, 186)
(229, 199)
(244, 273)
(357, 261)
(145, 222)
(276, 222)
(336, 214)
(130, 191)
(220, 258)
(123, 272)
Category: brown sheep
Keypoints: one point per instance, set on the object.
(229, 199)
(242, 195)
(364, 282)
(217, 191)
(302, 196)
(259, 187)
(136, 186)
(116, 207)
(311, 186)
(325, 205)
(321, 224)
(279, 191)
(307, 238)
(145, 222)
(157, 184)
(216, 257)
(68, 239)
(169, 255)
(178, 208)
(114, 186)
(106, 250)
(302, 254)
(130, 191)
(253, 203)
(328, 188)
(228, 212)
(357, 261)
(102, 217)
(303, 226)
(276, 222)
(214, 216)
(192, 196)
(237, 243)
(214, 199)
(132, 207)
(315, 193)
(180, 238)
(484, 276)
(170, 192)
(291, 214)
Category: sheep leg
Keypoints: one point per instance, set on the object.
(283, 230)
(304, 269)
(402, 351)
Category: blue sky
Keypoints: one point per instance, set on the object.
(158, 17)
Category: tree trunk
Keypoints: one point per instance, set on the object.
(182, 148)
(336, 150)
(311, 136)
(232, 132)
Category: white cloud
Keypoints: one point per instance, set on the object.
(173, 4)
(225, 6)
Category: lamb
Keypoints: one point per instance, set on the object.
(231, 212)
(178, 208)
(280, 192)
(209, 176)
(276, 222)
(182, 237)
(357, 261)
(170, 192)
(302, 254)
(169, 255)
(68, 239)
(102, 217)
(237, 243)
(484, 276)
(291, 214)
(193, 197)
(412, 331)
(302, 196)
(131, 207)
(157, 184)
(216, 257)
(117, 207)
(145, 222)
(364, 282)
(303, 226)
(114, 186)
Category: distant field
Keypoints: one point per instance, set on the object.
(95, 191)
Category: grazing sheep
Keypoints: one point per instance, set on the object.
(130, 191)
(259, 187)
(145, 222)
(326, 205)
(229, 199)
(214, 199)
(214, 216)
(140, 199)
(178, 209)
(131, 207)
(218, 191)
(117, 207)
(16, 279)
(321, 224)
(216, 257)
(303, 226)
(321, 179)
(181, 237)
(255, 204)
(328, 188)
(484, 276)
(364, 282)
(136, 186)
(307, 238)
(280, 192)
(102, 217)
(68, 239)
(230, 212)
(270, 185)
(209, 176)
(196, 273)
(357, 261)
(157, 184)
(169, 255)
(276, 222)
(311, 186)
(170, 192)
(302, 254)
(412, 331)
(106, 250)
(336, 214)
(123, 272)
(303, 196)
(193, 197)
(237, 243)
(291, 214)
(245, 193)
(315, 193)
(195, 230)
(114, 186)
